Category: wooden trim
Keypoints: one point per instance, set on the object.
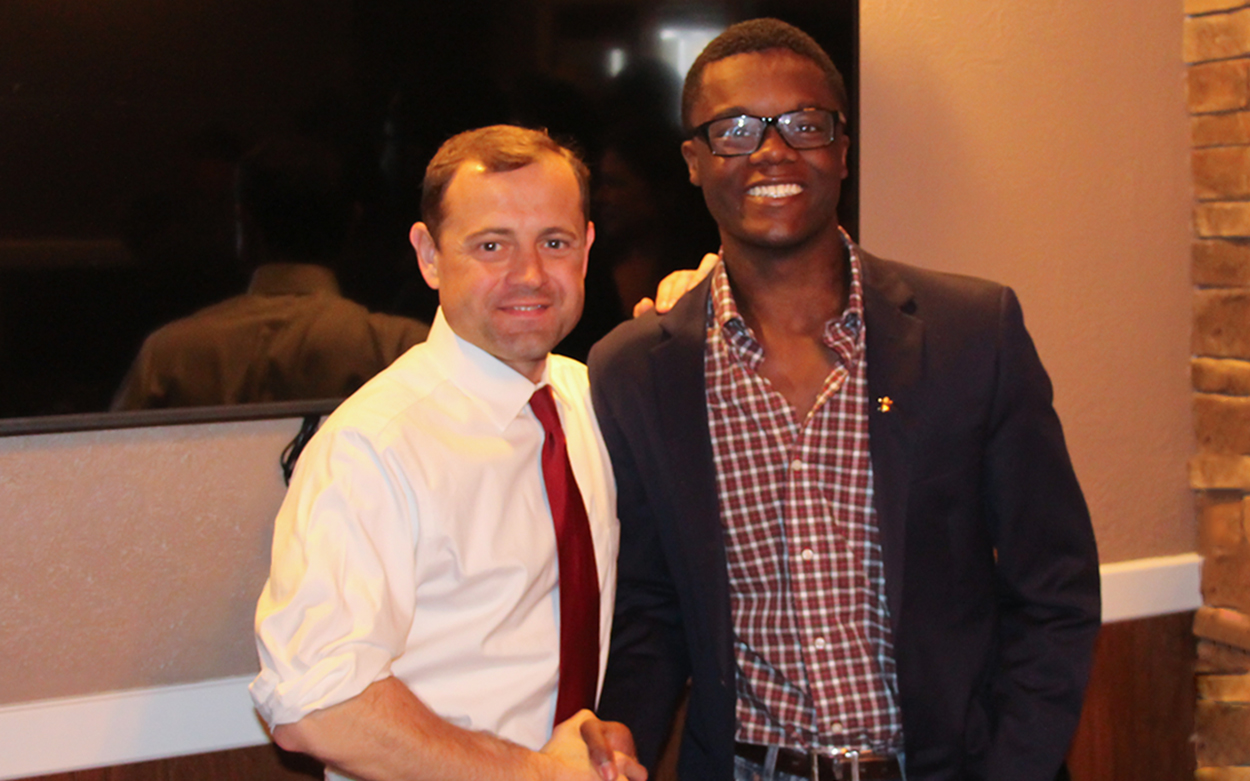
(1139, 708)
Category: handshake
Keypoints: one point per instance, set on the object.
(607, 746)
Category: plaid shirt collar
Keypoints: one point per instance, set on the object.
(844, 334)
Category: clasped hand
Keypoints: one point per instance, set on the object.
(604, 747)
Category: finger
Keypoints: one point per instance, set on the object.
(643, 306)
(619, 738)
(673, 287)
(705, 265)
(599, 747)
(570, 728)
(608, 771)
(629, 768)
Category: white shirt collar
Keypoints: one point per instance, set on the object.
(501, 391)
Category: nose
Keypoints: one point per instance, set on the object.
(773, 146)
(529, 269)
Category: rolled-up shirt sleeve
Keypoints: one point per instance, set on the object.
(339, 602)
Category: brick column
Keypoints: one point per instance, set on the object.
(1217, 50)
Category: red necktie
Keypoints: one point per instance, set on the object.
(579, 577)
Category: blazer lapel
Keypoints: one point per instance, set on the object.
(895, 341)
(682, 430)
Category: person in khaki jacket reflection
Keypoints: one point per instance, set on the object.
(292, 334)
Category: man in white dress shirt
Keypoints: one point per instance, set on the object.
(410, 627)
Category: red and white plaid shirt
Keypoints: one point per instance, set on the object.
(813, 643)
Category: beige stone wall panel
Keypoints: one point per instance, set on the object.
(1215, 471)
(1220, 375)
(1221, 172)
(1221, 522)
(1224, 688)
(1222, 220)
(1222, 423)
(1222, 625)
(1221, 659)
(1217, 37)
(1221, 263)
(1207, 6)
(1226, 589)
(1220, 129)
(1221, 734)
(1222, 774)
(1222, 323)
(1218, 86)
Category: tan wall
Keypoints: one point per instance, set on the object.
(1045, 145)
(134, 558)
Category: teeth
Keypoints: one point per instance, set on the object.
(774, 190)
(529, 308)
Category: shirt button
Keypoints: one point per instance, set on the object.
(835, 726)
(808, 554)
(796, 465)
(819, 643)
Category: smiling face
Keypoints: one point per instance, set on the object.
(510, 259)
(776, 197)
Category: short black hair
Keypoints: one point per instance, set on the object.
(297, 192)
(757, 35)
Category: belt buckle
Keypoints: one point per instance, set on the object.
(852, 755)
(837, 759)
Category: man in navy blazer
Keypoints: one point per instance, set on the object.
(968, 626)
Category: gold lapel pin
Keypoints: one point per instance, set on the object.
(884, 403)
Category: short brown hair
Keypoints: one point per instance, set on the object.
(757, 35)
(498, 148)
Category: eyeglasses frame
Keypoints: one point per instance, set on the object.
(839, 121)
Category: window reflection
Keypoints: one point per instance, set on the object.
(125, 123)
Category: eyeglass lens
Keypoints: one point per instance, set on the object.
(742, 135)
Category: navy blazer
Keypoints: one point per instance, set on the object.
(990, 562)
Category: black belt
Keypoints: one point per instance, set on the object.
(872, 767)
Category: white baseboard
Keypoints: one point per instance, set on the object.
(1151, 587)
(56, 736)
(115, 728)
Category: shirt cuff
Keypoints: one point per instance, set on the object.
(285, 698)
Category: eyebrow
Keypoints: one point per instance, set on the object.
(738, 111)
(509, 233)
(734, 111)
(484, 232)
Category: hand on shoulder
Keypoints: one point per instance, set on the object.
(676, 285)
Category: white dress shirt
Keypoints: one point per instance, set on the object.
(416, 541)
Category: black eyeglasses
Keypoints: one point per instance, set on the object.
(807, 128)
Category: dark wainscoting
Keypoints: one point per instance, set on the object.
(258, 763)
(1139, 710)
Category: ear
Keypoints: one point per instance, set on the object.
(845, 143)
(590, 239)
(691, 156)
(427, 253)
